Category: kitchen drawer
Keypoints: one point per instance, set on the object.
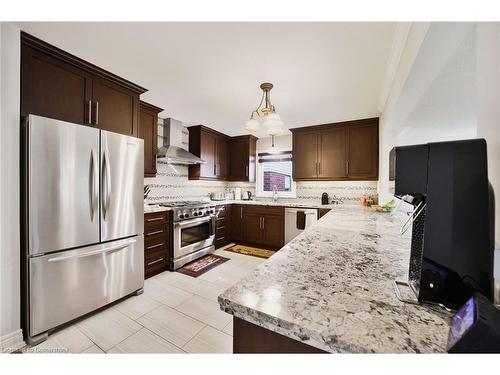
(220, 223)
(154, 232)
(157, 243)
(155, 218)
(220, 233)
(263, 210)
(220, 211)
(155, 261)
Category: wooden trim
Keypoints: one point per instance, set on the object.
(251, 338)
(56, 52)
(150, 107)
(249, 136)
(366, 121)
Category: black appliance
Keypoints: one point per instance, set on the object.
(452, 240)
(475, 328)
(324, 198)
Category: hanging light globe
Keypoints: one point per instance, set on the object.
(252, 125)
(272, 120)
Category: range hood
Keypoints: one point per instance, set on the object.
(175, 141)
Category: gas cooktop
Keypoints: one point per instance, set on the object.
(185, 204)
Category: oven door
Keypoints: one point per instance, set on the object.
(192, 235)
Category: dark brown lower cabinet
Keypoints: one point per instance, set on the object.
(221, 223)
(262, 225)
(236, 222)
(156, 243)
(250, 338)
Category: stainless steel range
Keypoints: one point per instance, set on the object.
(193, 231)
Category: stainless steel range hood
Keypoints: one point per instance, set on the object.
(175, 141)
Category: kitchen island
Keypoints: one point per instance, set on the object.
(331, 289)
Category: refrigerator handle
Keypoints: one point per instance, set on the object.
(106, 185)
(91, 185)
(95, 252)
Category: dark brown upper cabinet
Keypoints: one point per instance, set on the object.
(339, 151)
(62, 86)
(148, 131)
(212, 147)
(243, 158)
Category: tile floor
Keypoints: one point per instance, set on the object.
(175, 314)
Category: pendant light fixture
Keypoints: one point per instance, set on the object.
(272, 122)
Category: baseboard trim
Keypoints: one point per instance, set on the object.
(12, 341)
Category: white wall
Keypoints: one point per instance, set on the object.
(10, 325)
(446, 87)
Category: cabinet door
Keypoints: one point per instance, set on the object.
(54, 89)
(305, 155)
(363, 152)
(208, 146)
(332, 153)
(236, 219)
(273, 231)
(239, 167)
(252, 230)
(222, 156)
(148, 132)
(115, 108)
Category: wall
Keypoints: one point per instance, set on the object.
(446, 87)
(348, 191)
(10, 302)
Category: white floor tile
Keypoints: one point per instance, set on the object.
(232, 270)
(68, 340)
(219, 278)
(205, 311)
(210, 340)
(107, 328)
(208, 290)
(171, 325)
(229, 328)
(136, 306)
(165, 293)
(176, 279)
(145, 342)
(94, 349)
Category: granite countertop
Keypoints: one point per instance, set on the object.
(331, 287)
(154, 208)
(280, 202)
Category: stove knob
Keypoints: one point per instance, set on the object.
(186, 215)
(181, 216)
(196, 213)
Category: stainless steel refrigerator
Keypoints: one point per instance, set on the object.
(82, 235)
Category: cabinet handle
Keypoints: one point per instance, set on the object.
(154, 219)
(316, 168)
(263, 223)
(155, 246)
(347, 167)
(89, 120)
(241, 212)
(246, 171)
(155, 261)
(97, 113)
(319, 168)
(153, 233)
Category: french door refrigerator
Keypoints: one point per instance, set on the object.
(82, 208)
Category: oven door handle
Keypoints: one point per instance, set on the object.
(193, 222)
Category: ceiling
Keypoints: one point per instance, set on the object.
(209, 73)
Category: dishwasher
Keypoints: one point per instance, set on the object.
(298, 219)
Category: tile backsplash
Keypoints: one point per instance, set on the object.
(348, 191)
(171, 183)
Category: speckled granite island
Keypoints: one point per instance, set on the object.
(331, 289)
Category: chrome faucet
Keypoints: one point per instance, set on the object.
(275, 193)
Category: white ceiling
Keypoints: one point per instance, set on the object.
(209, 73)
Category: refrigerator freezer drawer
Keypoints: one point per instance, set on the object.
(69, 284)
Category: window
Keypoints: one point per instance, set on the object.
(274, 171)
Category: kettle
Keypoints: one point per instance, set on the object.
(246, 195)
